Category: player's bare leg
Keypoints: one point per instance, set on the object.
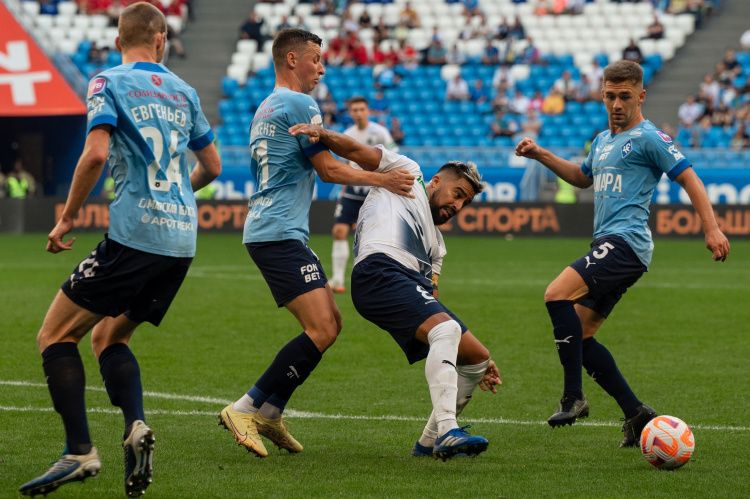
(473, 367)
(63, 327)
(339, 257)
(568, 331)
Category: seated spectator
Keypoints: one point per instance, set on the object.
(378, 104)
(348, 23)
(517, 31)
(330, 111)
(175, 45)
(502, 75)
(531, 125)
(542, 7)
(632, 52)
(97, 55)
(503, 30)
(479, 94)
(711, 89)
(519, 103)
(407, 55)
(731, 63)
(503, 125)
(536, 101)
(529, 54)
(396, 131)
(471, 8)
(567, 86)
(723, 74)
(457, 88)
(553, 103)
(722, 116)
(455, 56)
(558, 7)
(690, 111)
(254, 28)
(436, 54)
(401, 31)
(655, 30)
(388, 77)
(740, 139)
(701, 130)
(595, 74)
(47, 7)
(409, 16)
(490, 54)
(585, 91)
(338, 51)
(283, 24)
(358, 52)
(323, 8)
(94, 7)
(382, 31)
(501, 101)
(365, 21)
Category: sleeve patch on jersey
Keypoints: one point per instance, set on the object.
(627, 148)
(202, 141)
(666, 138)
(97, 85)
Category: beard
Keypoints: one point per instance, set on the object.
(441, 214)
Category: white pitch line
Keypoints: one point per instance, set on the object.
(311, 415)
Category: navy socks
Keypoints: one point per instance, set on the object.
(601, 366)
(122, 378)
(568, 333)
(66, 382)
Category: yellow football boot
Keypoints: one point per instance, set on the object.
(243, 427)
(276, 431)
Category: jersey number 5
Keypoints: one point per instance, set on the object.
(172, 174)
(604, 250)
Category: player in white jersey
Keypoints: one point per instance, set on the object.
(398, 255)
(352, 196)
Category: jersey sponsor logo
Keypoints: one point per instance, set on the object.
(666, 138)
(675, 153)
(589, 262)
(608, 182)
(310, 272)
(156, 80)
(605, 151)
(636, 132)
(95, 105)
(97, 85)
(627, 148)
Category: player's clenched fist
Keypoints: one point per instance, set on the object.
(528, 148)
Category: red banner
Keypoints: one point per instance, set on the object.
(30, 85)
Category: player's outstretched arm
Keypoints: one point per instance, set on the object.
(566, 170)
(207, 169)
(716, 242)
(367, 157)
(88, 170)
(398, 181)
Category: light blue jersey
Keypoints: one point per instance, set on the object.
(625, 169)
(283, 173)
(155, 117)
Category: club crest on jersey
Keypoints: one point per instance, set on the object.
(666, 138)
(156, 80)
(627, 148)
(97, 85)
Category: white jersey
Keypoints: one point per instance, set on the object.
(373, 134)
(397, 226)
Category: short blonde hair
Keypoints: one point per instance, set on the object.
(139, 23)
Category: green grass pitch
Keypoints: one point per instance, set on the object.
(680, 336)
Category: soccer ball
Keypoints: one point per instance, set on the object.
(667, 442)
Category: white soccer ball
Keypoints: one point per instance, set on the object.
(667, 442)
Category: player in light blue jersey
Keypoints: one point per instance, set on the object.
(276, 235)
(142, 118)
(624, 165)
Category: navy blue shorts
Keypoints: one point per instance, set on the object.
(347, 211)
(397, 300)
(608, 270)
(289, 267)
(116, 279)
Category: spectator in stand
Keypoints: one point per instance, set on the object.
(382, 31)
(455, 56)
(388, 77)
(490, 54)
(47, 7)
(338, 51)
(542, 7)
(574, 7)
(457, 89)
(701, 130)
(407, 55)
(397, 133)
(537, 101)
(436, 53)
(585, 90)
(401, 31)
(348, 23)
(727, 94)
(632, 52)
(323, 8)
(711, 89)
(377, 56)
(174, 44)
(365, 21)
(519, 103)
(731, 63)
(471, 9)
(502, 75)
(409, 16)
(254, 28)
(358, 52)
(532, 125)
(330, 111)
(554, 103)
(503, 29)
(740, 139)
(283, 24)
(113, 10)
(479, 94)
(501, 101)
(595, 74)
(529, 54)
(722, 116)
(723, 74)
(320, 93)
(97, 55)
(690, 111)
(567, 86)
(378, 104)
(517, 31)
(655, 30)
(503, 125)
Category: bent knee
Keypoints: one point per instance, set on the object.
(324, 331)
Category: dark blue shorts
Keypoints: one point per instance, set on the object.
(116, 279)
(347, 211)
(397, 300)
(289, 267)
(608, 270)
